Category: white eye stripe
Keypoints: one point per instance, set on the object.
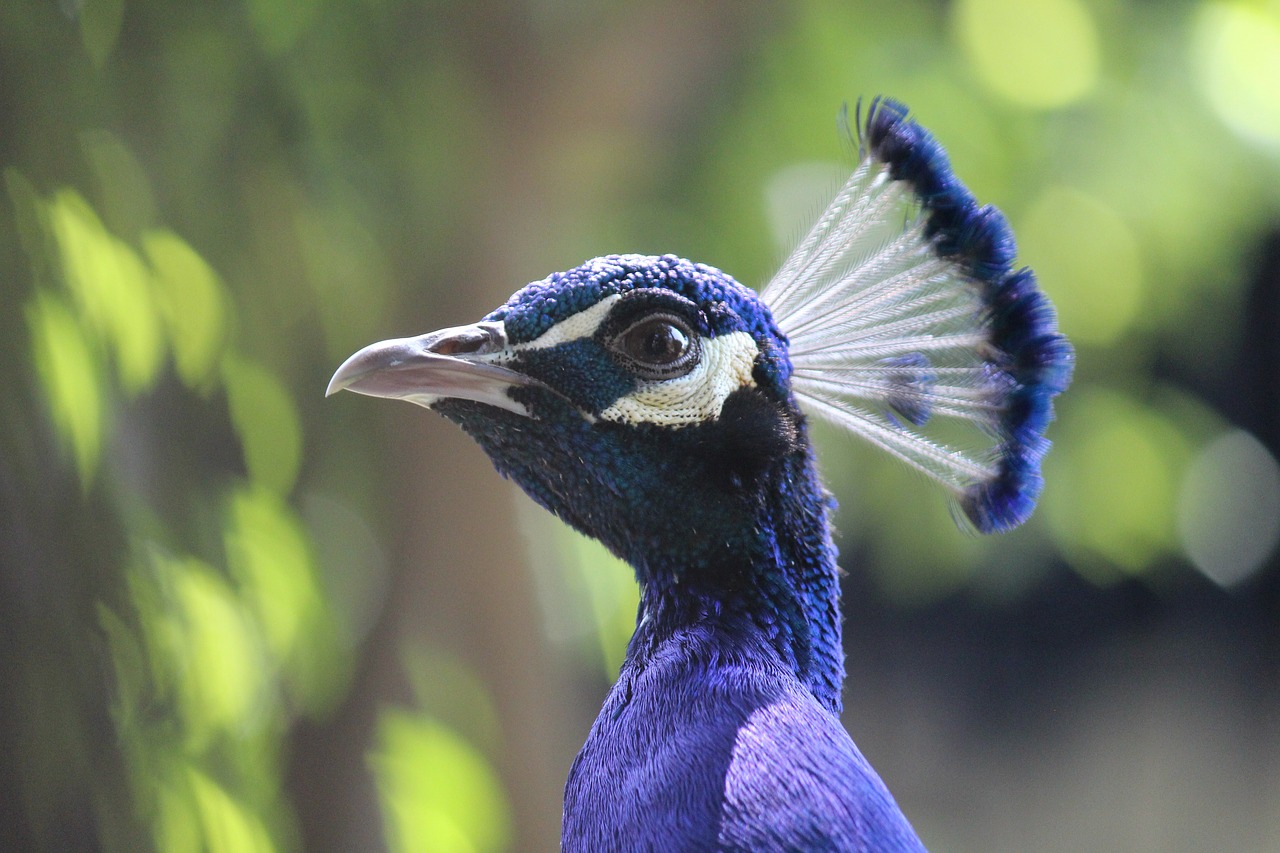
(699, 395)
(584, 324)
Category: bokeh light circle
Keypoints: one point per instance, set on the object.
(1237, 53)
(1088, 260)
(1112, 483)
(1229, 508)
(1037, 53)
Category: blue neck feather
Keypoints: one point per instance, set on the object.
(779, 584)
(747, 552)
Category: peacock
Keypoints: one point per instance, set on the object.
(663, 408)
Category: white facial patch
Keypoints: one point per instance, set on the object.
(572, 328)
(697, 396)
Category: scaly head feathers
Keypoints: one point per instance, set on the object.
(659, 395)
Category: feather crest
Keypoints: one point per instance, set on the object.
(901, 307)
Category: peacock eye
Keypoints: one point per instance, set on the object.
(658, 347)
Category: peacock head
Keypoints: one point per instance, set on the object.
(645, 400)
(656, 403)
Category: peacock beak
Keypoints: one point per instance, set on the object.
(452, 363)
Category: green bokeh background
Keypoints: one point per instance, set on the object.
(238, 616)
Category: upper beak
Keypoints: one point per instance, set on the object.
(448, 364)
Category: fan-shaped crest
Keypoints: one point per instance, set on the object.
(903, 312)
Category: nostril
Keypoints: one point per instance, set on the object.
(463, 342)
(467, 340)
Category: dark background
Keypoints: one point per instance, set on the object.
(237, 616)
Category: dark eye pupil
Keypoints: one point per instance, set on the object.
(657, 342)
(658, 347)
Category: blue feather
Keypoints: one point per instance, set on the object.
(715, 745)
(855, 299)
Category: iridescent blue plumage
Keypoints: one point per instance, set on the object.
(942, 296)
(1038, 359)
(727, 305)
(658, 406)
(1023, 326)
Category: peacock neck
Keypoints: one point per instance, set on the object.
(778, 587)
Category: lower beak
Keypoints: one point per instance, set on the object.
(449, 364)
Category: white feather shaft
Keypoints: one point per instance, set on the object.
(877, 349)
(874, 281)
(948, 402)
(948, 467)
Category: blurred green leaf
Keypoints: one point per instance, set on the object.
(100, 27)
(192, 302)
(611, 593)
(175, 823)
(270, 558)
(438, 793)
(214, 648)
(129, 667)
(266, 421)
(128, 201)
(229, 827)
(68, 371)
(31, 220)
(197, 708)
(448, 691)
(349, 277)
(588, 595)
(112, 288)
